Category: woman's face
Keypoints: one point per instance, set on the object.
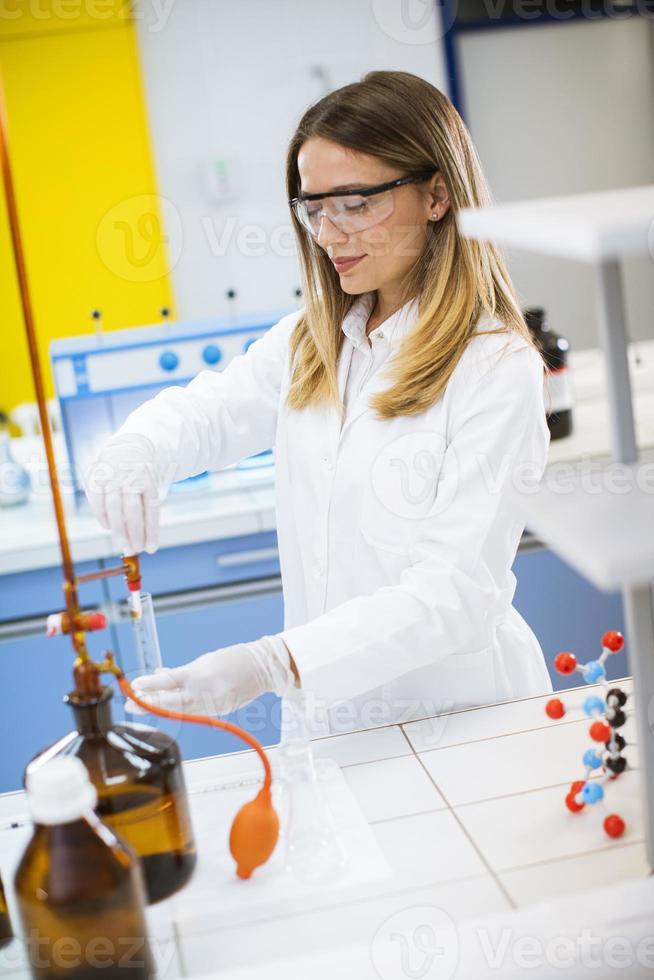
(389, 248)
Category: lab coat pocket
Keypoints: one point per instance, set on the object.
(402, 494)
(380, 559)
(392, 536)
(451, 683)
(472, 677)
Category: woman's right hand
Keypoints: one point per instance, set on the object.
(221, 681)
(123, 486)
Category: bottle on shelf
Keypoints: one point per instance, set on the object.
(79, 888)
(137, 773)
(558, 388)
(6, 932)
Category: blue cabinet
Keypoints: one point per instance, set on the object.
(35, 674)
(40, 592)
(566, 612)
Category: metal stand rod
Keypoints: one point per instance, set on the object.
(637, 600)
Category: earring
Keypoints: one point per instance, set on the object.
(434, 216)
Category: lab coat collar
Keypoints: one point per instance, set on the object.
(354, 328)
(486, 322)
(395, 327)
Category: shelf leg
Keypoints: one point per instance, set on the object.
(639, 620)
(613, 336)
(637, 600)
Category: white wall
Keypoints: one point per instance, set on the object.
(563, 109)
(553, 109)
(232, 79)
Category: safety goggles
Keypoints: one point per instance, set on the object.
(350, 211)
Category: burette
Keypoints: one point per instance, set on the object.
(144, 628)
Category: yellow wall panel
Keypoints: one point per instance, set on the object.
(86, 192)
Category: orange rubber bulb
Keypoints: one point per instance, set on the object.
(255, 829)
(254, 833)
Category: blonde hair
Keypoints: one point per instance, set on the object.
(406, 122)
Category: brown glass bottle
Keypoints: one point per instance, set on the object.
(554, 349)
(138, 775)
(6, 932)
(79, 889)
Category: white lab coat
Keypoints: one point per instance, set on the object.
(396, 538)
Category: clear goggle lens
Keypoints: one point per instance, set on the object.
(349, 213)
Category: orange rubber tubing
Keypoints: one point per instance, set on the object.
(128, 691)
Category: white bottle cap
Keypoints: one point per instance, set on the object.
(60, 790)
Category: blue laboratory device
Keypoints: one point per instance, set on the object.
(100, 378)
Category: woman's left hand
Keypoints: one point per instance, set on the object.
(221, 681)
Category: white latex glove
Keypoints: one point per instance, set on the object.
(123, 486)
(219, 682)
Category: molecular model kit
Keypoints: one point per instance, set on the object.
(607, 714)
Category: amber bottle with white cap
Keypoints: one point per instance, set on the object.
(79, 888)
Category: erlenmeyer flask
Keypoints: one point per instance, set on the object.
(138, 775)
(313, 849)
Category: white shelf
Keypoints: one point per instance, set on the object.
(603, 530)
(588, 227)
(606, 534)
(588, 371)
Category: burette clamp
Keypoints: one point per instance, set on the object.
(83, 622)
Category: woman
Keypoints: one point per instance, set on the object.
(403, 401)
